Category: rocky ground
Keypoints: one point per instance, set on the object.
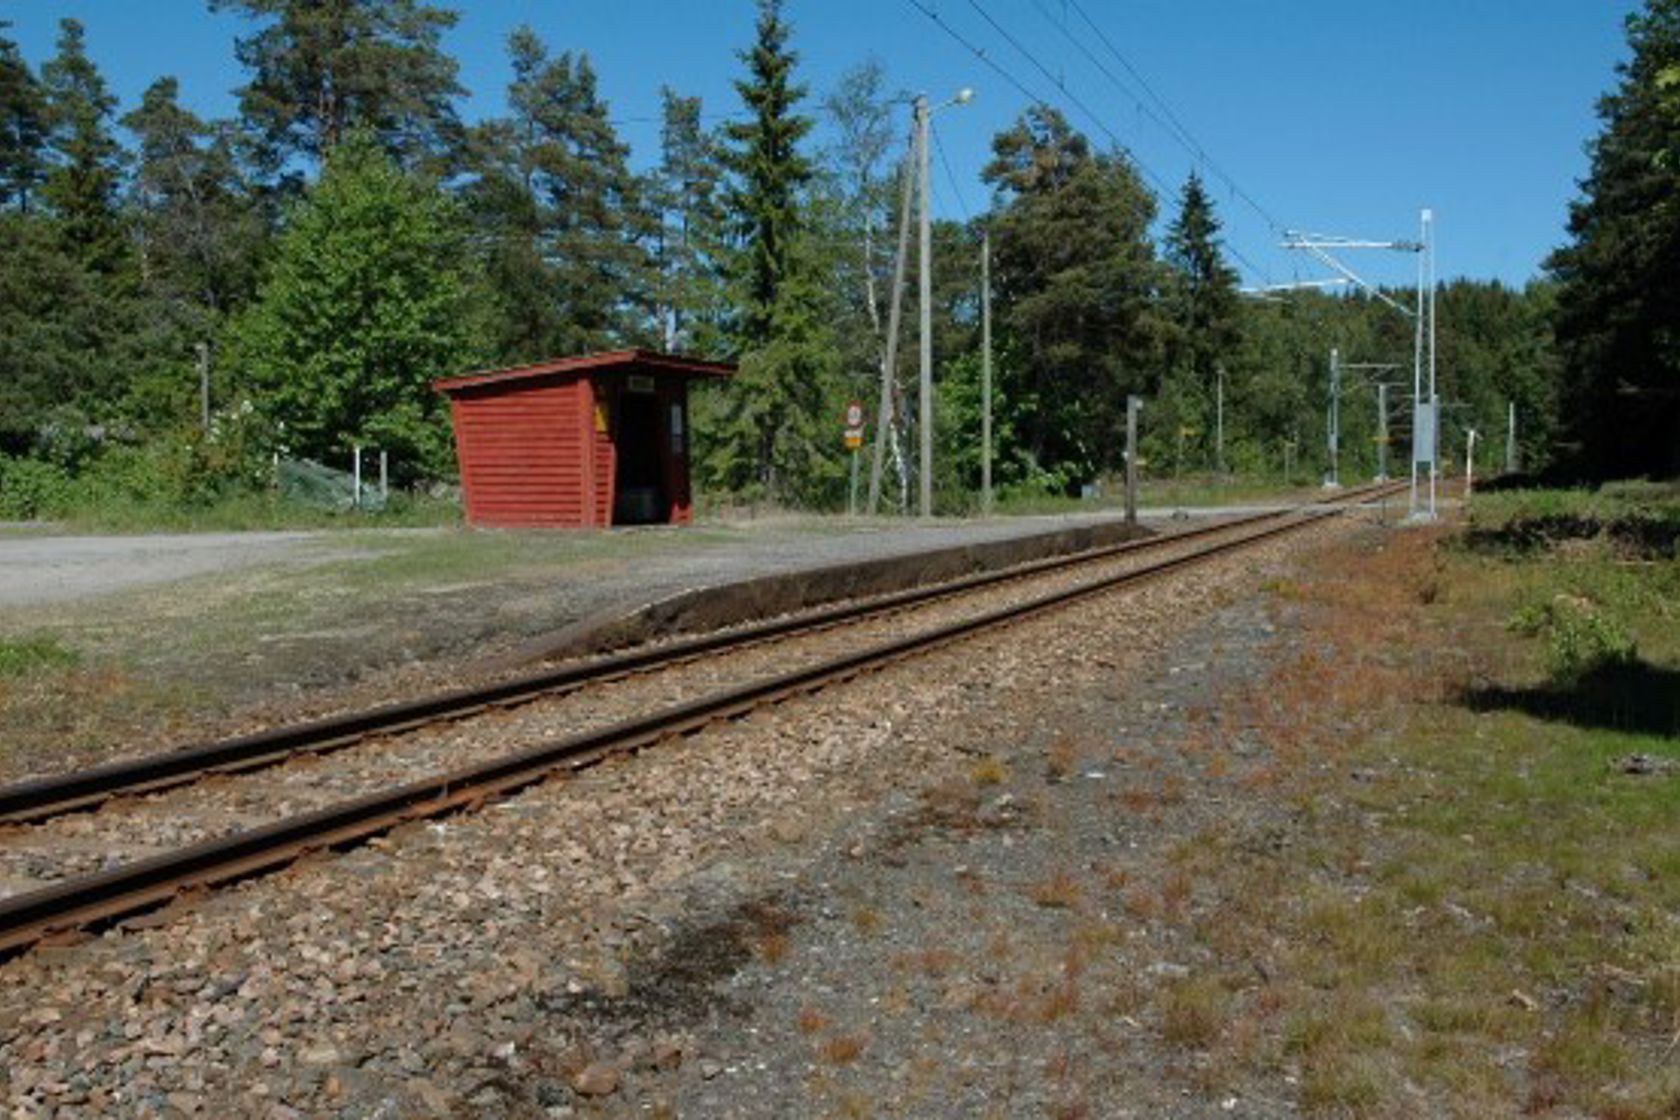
(952, 888)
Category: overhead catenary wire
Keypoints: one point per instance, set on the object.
(950, 176)
(1173, 123)
(1155, 179)
(1159, 183)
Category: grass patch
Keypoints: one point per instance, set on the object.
(1478, 907)
(33, 655)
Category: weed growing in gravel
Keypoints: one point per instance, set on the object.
(1061, 891)
(1193, 1011)
(989, 771)
(843, 1049)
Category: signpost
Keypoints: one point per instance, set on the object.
(854, 441)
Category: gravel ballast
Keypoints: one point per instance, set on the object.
(870, 901)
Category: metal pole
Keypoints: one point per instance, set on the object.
(384, 475)
(1219, 419)
(203, 351)
(1511, 438)
(851, 505)
(1434, 397)
(1333, 423)
(889, 360)
(1470, 462)
(1417, 372)
(356, 473)
(1132, 405)
(1382, 431)
(986, 371)
(925, 417)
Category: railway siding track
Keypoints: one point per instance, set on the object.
(104, 896)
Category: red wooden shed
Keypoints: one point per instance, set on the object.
(600, 439)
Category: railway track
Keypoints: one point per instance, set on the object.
(91, 899)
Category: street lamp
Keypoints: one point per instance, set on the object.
(925, 395)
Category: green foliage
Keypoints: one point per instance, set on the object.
(686, 195)
(563, 219)
(321, 69)
(198, 230)
(23, 128)
(772, 441)
(366, 305)
(1618, 301)
(85, 159)
(1077, 287)
(30, 488)
(1581, 636)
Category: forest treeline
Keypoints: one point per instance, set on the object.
(348, 237)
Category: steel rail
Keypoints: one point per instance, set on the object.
(104, 896)
(39, 799)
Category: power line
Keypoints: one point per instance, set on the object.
(956, 191)
(1160, 185)
(1178, 127)
(1148, 172)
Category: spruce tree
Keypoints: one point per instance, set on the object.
(86, 161)
(1618, 299)
(770, 442)
(23, 128)
(1202, 310)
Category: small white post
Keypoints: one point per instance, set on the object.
(356, 473)
(384, 476)
(1470, 462)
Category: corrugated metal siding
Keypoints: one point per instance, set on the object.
(523, 457)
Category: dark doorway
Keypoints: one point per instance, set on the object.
(640, 491)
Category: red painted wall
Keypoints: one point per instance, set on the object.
(523, 455)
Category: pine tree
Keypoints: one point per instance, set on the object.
(366, 304)
(86, 161)
(23, 128)
(1618, 300)
(770, 442)
(565, 220)
(195, 222)
(322, 68)
(1076, 289)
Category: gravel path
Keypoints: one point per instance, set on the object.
(54, 569)
(851, 904)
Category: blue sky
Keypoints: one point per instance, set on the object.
(1336, 116)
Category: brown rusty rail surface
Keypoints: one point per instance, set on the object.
(107, 895)
(38, 799)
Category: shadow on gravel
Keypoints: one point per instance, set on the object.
(677, 985)
(1634, 697)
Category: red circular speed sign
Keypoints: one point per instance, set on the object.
(854, 415)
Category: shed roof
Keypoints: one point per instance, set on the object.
(609, 361)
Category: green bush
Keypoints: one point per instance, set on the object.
(30, 488)
(1581, 637)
